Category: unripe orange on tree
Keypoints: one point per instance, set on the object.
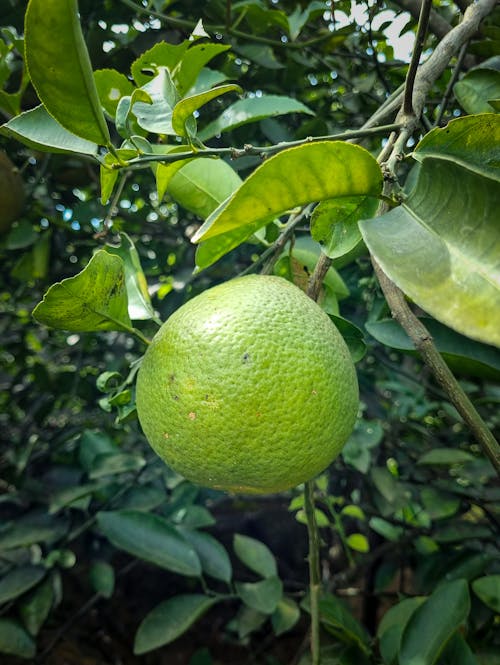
(11, 193)
(248, 387)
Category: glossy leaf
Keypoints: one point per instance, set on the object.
(111, 87)
(139, 302)
(262, 596)
(35, 607)
(487, 588)
(15, 640)
(170, 619)
(392, 625)
(159, 55)
(202, 184)
(433, 623)
(294, 177)
(212, 555)
(211, 250)
(18, 581)
(334, 223)
(38, 130)
(95, 299)
(60, 68)
(441, 247)
(255, 555)
(156, 116)
(185, 108)
(476, 89)
(192, 63)
(252, 109)
(471, 141)
(151, 538)
(465, 356)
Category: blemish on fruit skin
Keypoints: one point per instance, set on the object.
(314, 392)
(192, 415)
(166, 435)
(171, 378)
(246, 357)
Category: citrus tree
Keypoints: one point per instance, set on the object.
(154, 150)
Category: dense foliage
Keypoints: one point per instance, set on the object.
(119, 170)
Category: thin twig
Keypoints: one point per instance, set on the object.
(314, 569)
(451, 83)
(423, 22)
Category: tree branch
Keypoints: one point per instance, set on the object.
(437, 24)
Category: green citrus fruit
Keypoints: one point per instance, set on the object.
(248, 387)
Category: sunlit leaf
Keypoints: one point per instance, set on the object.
(111, 87)
(294, 177)
(185, 108)
(95, 299)
(38, 130)
(59, 66)
(252, 109)
(442, 248)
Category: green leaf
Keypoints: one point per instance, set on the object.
(476, 88)
(255, 555)
(457, 652)
(252, 109)
(15, 640)
(488, 590)
(334, 223)
(338, 620)
(107, 464)
(262, 596)
(294, 177)
(94, 299)
(392, 625)
(59, 66)
(358, 542)
(352, 335)
(248, 621)
(35, 607)
(139, 302)
(156, 116)
(170, 619)
(202, 184)
(212, 555)
(433, 624)
(465, 356)
(184, 109)
(18, 581)
(39, 131)
(285, 616)
(471, 141)
(160, 55)
(441, 247)
(32, 529)
(367, 434)
(439, 505)
(210, 251)
(111, 87)
(102, 578)
(446, 457)
(193, 61)
(151, 538)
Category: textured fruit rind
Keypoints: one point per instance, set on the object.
(248, 387)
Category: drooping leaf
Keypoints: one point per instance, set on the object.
(95, 299)
(139, 302)
(60, 68)
(465, 356)
(170, 619)
(38, 130)
(338, 620)
(487, 588)
(442, 248)
(255, 554)
(294, 177)
(212, 555)
(472, 141)
(15, 640)
(185, 108)
(433, 623)
(151, 538)
(252, 109)
(262, 596)
(202, 184)
(475, 90)
(19, 580)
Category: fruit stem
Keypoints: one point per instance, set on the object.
(314, 569)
